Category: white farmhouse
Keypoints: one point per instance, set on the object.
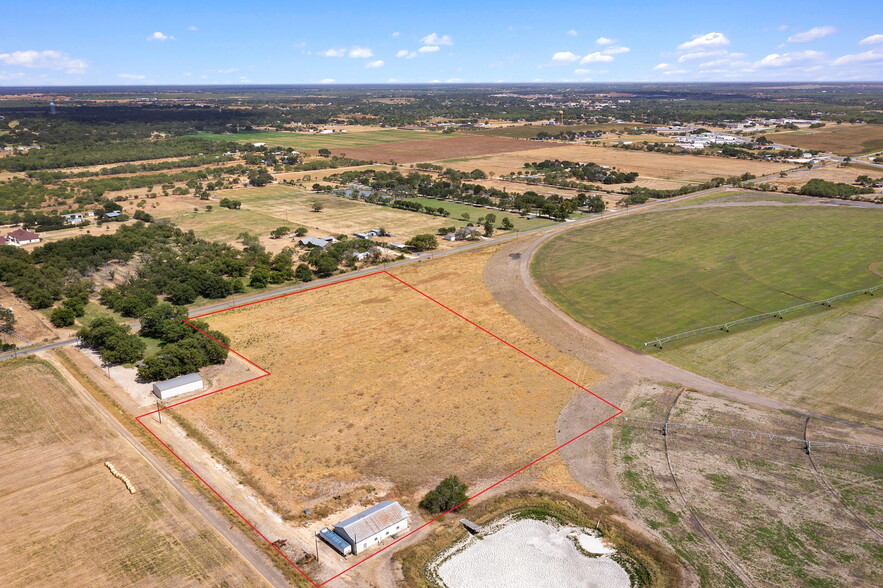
(373, 525)
(180, 385)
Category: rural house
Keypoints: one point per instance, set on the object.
(316, 241)
(21, 237)
(371, 526)
(180, 385)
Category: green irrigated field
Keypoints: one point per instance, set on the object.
(334, 141)
(475, 212)
(657, 274)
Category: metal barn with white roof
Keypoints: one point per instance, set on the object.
(180, 385)
(373, 525)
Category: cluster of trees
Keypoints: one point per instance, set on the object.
(230, 203)
(183, 348)
(79, 151)
(555, 169)
(326, 261)
(113, 341)
(72, 307)
(826, 189)
(418, 207)
(98, 186)
(21, 194)
(48, 177)
(38, 220)
(449, 493)
(423, 242)
(639, 195)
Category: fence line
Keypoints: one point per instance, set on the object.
(658, 342)
(667, 426)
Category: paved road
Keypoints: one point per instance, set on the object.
(236, 538)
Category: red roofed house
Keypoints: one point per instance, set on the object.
(21, 237)
(3, 241)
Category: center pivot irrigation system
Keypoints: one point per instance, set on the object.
(264, 373)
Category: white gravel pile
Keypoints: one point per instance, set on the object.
(530, 553)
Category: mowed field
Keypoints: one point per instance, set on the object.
(528, 131)
(68, 522)
(840, 139)
(658, 274)
(670, 171)
(330, 141)
(376, 389)
(451, 147)
(264, 209)
(457, 211)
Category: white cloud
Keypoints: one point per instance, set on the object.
(868, 56)
(192, 28)
(434, 82)
(582, 71)
(572, 33)
(428, 49)
(406, 54)
(674, 72)
(393, 81)
(694, 55)
(782, 28)
(45, 60)
(333, 53)
(812, 34)
(395, 34)
(327, 81)
(604, 41)
(374, 64)
(872, 40)
(706, 40)
(454, 81)
(436, 39)
(158, 36)
(616, 50)
(596, 57)
(794, 58)
(360, 52)
(564, 57)
(131, 76)
(662, 66)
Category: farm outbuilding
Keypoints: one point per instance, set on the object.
(372, 525)
(177, 386)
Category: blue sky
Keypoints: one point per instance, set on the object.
(224, 42)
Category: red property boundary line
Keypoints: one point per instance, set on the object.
(267, 373)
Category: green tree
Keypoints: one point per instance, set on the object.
(260, 277)
(123, 348)
(279, 232)
(424, 242)
(181, 294)
(7, 320)
(62, 317)
(325, 264)
(324, 152)
(159, 320)
(301, 231)
(449, 493)
(259, 177)
(318, 206)
(506, 224)
(488, 229)
(303, 273)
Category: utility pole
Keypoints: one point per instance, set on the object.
(317, 547)
(159, 411)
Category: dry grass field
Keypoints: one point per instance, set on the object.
(375, 387)
(433, 150)
(68, 522)
(846, 175)
(671, 170)
(840, 139)
(774, 516)
(264, 209)
(826, 361)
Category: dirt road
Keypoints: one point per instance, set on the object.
(242, 544)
